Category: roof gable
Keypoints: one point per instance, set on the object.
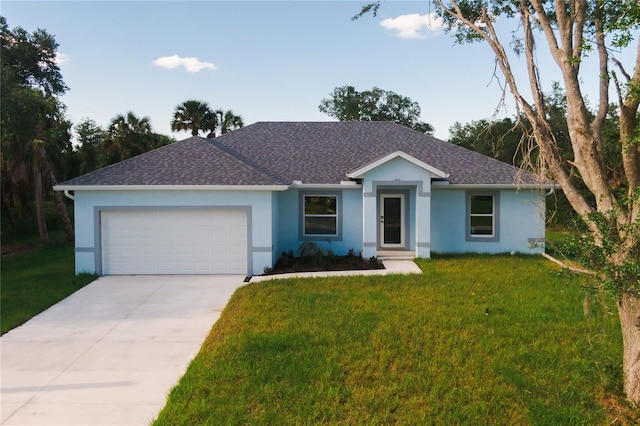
(398, 154)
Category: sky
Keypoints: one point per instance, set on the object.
(265, 60)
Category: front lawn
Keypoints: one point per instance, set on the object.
(474, 340)
(34, 280)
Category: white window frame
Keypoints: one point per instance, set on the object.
(495, 217)
(304, 215)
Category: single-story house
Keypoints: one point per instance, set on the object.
(233, 204)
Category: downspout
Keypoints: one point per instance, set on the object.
(67, 194)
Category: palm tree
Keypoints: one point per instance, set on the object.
(127, 135)
(228, 121)
(194, 116)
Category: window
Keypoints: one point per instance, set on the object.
(320, 215)
(482, 216)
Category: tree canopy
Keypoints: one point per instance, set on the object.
(196, 116)
(34, 131)
(228, 121)
(129, 135)
(345, 103)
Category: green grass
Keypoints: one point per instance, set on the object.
(34, 280)
(409, 350)
(556, 241)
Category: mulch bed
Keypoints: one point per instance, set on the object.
(336, 263)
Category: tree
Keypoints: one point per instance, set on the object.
(129, 135)
(33, 126)
(500, 139)
(43, 172)
(228, 121)
(89, 137)
(30, 60)
(344, 104)
(194, 116)
(569, 31)
(347, 104)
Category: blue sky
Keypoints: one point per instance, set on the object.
(265, 60)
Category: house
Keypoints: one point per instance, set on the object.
(233, 204)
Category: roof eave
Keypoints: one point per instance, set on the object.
(348, 184)
(447, 185)
(171, 187)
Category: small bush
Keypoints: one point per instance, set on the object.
(374, 263)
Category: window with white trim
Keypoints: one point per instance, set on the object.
(320, 215)
(481, 215)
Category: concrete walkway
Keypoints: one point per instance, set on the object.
(109, 353)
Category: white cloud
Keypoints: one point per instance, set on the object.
(189, 64)
(61, 58)
(413, 25)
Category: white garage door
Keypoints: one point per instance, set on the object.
(174, 242)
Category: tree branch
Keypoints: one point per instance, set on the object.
(629, 133)
(603, 57)
(620, 67)
(534, 76)
(579, 19)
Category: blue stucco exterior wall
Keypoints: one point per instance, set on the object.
(436, 216)
(521, 221)
(398, 176)
(257, 204)
(350, 212)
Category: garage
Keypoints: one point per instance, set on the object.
(174, 242)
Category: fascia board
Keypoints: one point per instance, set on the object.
(377, 163)
(438, 185)
(171, 187)
(325, 186)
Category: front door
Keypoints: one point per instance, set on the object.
(392, 221)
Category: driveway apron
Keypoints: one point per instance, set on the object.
(109, 353)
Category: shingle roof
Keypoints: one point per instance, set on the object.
(278, 153)
(193, 161)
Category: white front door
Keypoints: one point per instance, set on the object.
(392, 224)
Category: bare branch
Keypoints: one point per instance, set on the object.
(620, 67)
(579, 19)
(565, 266)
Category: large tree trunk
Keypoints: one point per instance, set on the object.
(629, 311)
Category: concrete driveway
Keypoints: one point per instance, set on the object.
(109, 353)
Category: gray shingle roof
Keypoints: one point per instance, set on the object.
(278, 153)
(193, 161)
